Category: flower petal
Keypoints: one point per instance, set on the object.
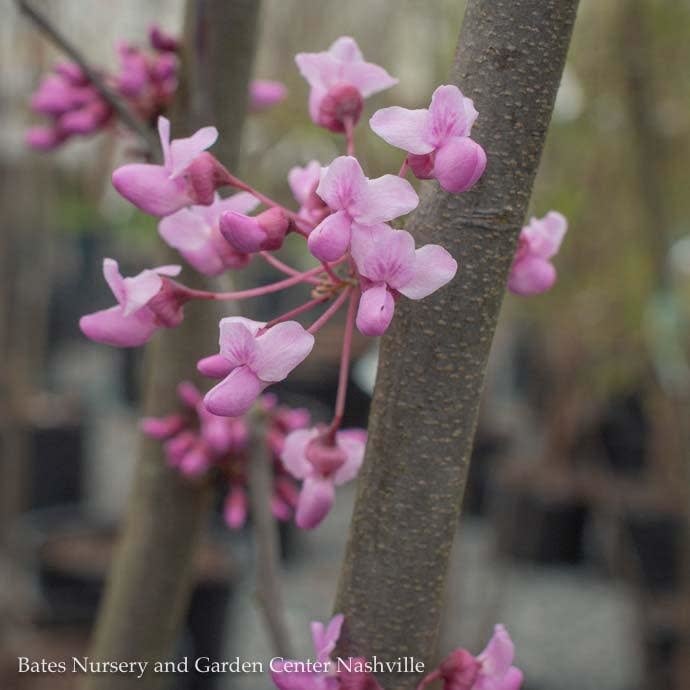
(386, 198)
(531, 275)
(367, 77)
(112, 327)
(214, 366)
(150, 188)
(294, 455)
(184, 151)
(451, 115)
(234, 395)
(342, 183)
(433, 268)
(237, 339)
(498, 655)
(315, 502)
(185, 230)
(353, 442)
(544, 236)
(140, 289)
(280, 349)
(116, 283)
(325, 637)
(303, 181)
(392, 258)
(376, 307)
(164, 134)
(346, 49)
(329, 240)
(319, 69)
(458, 164)
(402, 128)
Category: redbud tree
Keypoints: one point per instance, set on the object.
(437, 287)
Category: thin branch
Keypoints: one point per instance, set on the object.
(126, 116)
(264, 529)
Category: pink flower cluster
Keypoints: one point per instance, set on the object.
(146, 80)
(492, 669)
(199, 444)
(363, 263)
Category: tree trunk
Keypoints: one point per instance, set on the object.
(432, 363)
(152, 576)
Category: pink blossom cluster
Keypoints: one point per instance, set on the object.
(492, 669)
(146, 80)
(363, 264)
(200, 444)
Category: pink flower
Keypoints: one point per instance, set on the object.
(496, 671)
(324, 639)
(303, 182)
(187, 176)
(146, 302)
(44, 138)
(249, 234)
(532, 271)
(340, 80)
(390, 266)
(322, 463)
(194, 232)
(264, 94)
(254, 357)
(355, 201)
(437, 139)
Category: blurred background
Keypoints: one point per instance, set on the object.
(575, 532)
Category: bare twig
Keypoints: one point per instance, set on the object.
(126, 116)
(268, 586)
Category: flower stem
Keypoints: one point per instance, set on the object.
(349, 135)
(344, 374)
(296, 311)
(283, 267)
(403, 169)
(258, 291)
(330, 312)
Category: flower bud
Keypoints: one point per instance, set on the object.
(341, 102)
(249, 234)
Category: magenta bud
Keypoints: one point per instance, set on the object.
(162, 41)
(235, 508)
(205, 175)
(71, 72)
(249, 234)
(168, 302)
(44, 138)
(162, 427)
(87, 119)
(421, 165)
(325, 457)
(459, 670)
(341, 102)
(214, 366)
(189, 394)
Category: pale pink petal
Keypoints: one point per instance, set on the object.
(402, 128)
(545, 235)
(392, 259)
(329, 240)
(280, 349)
(234, 395)
(150, 188)
(169, 270)
(294, 456)
(498, 655)
(367, 77)
(242, 202)
(184, 151)
(316, 96)
(458, 164)
(325, 637)
(364, 239)
(315, 501)
(164, 134)
(214, 366)
(433, 268)
(375, 312)
(185, 230)
(386, 198)
(303, 181)
(451, 115)
(351, 441)
(112, 327)
(346, 49)
(116, 283)
(237, 339)
(319, 69)
(343, 183)
(531, 275)
(140, 289)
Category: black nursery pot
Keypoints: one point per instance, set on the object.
(72, 555)
(541, 528)
(657, 540)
